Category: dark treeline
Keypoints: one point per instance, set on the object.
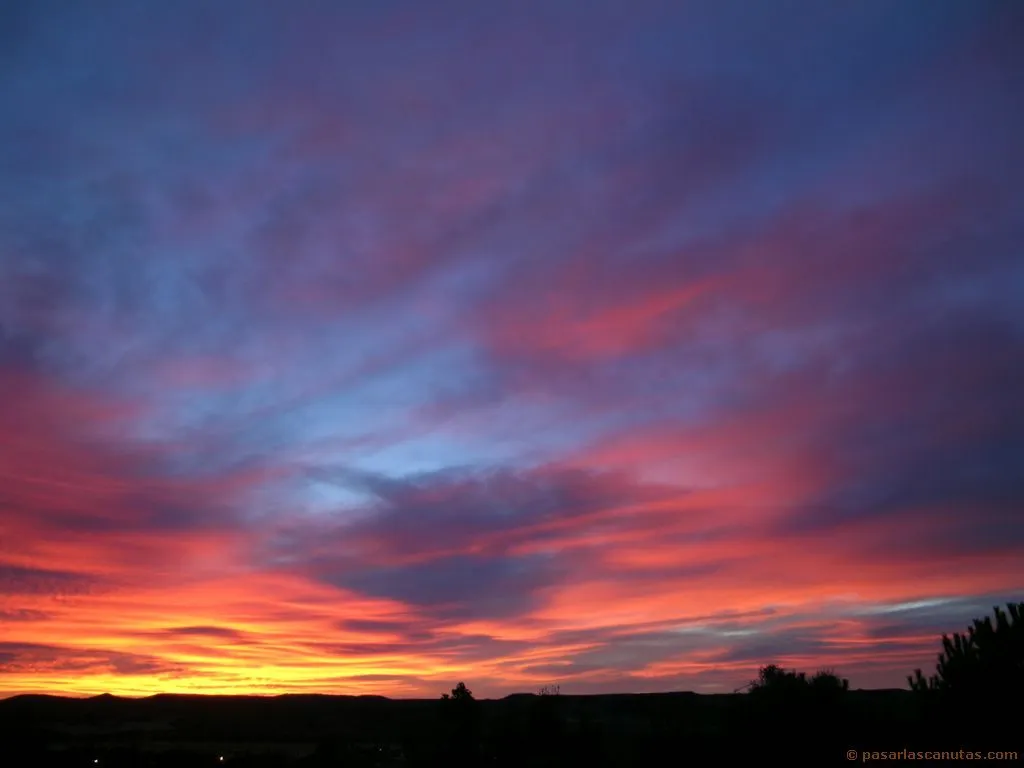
(972, 702)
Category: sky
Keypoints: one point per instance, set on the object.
(367, 347)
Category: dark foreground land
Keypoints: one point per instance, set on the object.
(520, 730)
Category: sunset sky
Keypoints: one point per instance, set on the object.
(366, 347)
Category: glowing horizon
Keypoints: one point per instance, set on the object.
(623, 346)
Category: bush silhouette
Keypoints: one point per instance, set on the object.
(775, 681)
(778, 698)
(987, 660)
(825, 684)
(459, 693)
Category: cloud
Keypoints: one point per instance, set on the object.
(419, 537)
(16, 580)
(23, 614)
(458, 509)
(20, 657)
(219, 632)
(498, 587)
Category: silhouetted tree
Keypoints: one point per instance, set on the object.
(461, 693)
(979, 678)
(826, 683)
(778, 698)
(987, 660)
(775, 680)
(461, 721)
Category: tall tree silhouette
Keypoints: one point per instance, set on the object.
(988, 659)
(978, 686)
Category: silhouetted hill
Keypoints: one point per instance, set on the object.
(520, 730)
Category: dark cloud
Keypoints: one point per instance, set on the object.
(444, 541)
(69, 466)
(18, 657)
(460, 586)
(451, 647)
(23, 614)
(408, 630)
(17, 580)
(772, 648)
(222, 632)
(459, 509)
(559, 670)
(944, 434)
(931, 619)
